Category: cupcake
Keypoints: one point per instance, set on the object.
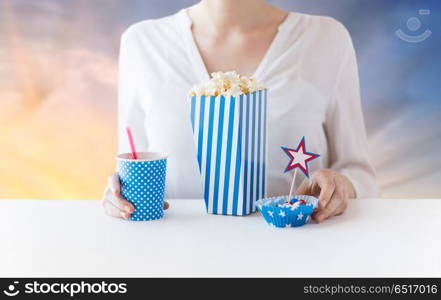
(279, 212)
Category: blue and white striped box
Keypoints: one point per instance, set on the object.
(231, 140)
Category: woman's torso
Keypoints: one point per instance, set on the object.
(298, 69)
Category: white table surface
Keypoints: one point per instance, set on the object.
(374, 237)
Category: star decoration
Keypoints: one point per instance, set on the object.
(299, 158)
(282, 213)
(299, 216)
(270, 213)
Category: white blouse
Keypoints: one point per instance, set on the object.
(311, 74)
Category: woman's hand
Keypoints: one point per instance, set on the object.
(333, 190)
(114, 204)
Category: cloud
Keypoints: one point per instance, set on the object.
(64, 141)
(57, 106)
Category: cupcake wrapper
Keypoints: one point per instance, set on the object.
(294, 215)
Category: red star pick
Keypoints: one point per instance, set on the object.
(299, 158)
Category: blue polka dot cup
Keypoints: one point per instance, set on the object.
(143, 183)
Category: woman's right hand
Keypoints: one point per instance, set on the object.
(114, 204)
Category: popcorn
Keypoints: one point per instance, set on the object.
(227, 84)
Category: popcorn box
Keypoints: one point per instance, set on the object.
(230, 135)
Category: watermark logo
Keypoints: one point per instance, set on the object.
(414, 24)
(12, 290)
(71, 289)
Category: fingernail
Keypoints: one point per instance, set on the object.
(128, 209)
(124, 215)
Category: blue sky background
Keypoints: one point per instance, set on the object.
(39, 40)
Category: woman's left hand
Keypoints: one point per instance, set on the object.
(333, 190)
